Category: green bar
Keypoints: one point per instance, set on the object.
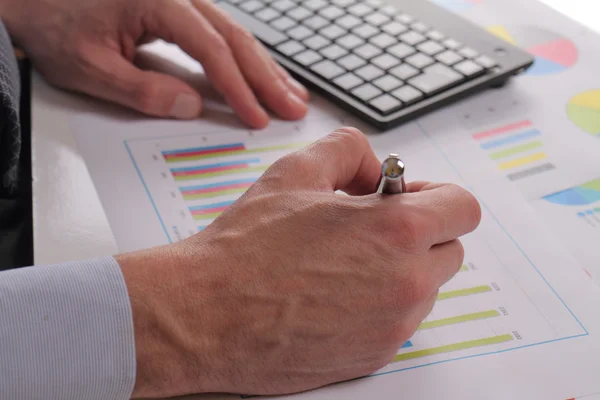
(260, 168)
(236, 152)
(213, 194)
(459, 319)
(597, 209)
(453, 347)
(464, 268)
(464, 292)
(207, 216)
(515, 150)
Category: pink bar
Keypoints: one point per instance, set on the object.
(502, 129)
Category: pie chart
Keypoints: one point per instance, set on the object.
(585, 194)
(584, 111)
(457, 5)
(553, 53)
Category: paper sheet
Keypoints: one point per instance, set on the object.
(520, 319)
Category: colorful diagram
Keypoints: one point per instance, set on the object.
(457, 5)
(584, 111)
(553, 53)
(585, 194)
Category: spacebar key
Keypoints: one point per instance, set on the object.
(261, 30)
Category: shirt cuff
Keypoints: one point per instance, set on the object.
(66, 332)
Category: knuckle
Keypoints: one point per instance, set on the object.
(416, 288)
(146, 95)
(407, 230)
(471, 207)
(241, 35)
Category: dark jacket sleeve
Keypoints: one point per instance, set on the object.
(10, 130)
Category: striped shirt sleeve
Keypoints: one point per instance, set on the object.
(66, 332)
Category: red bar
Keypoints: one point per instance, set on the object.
(216, 189)
(209, 170)
(502, 129)
(203, 152)
(209, 210)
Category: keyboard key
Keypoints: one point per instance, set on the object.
(251, 6)
(385, 61)
(404, 72)
(307, 57)
(267, 14)
(468, 68)
(419, 60)
(401, 50)
(348, 21)
(385, 103)
(348, 81)
(331, 12)
(383, 40)
(419, 27)
(327, 69)
(435, 35)
(360, 10)
(299, 13)
(451, 44)
(290, 48)
(350, 41)
(407, 94)
(394, 28)
(261, 30)
(434, 78)
(366, 31)
(412, 38)
(283, 5)
(316, 42)
(389, 10)
(315, 4)
(351, 62)
(333, 52)
(387, 83)
(283, 23)
(377, 19)
(374, 3)
(343, 3)
(448, 57)
(468, 52)
(332, 32)
(405, 18)
(315, 22)
(485, 62)
(300, 32)
(430, 47)
(366, 92)
(369, 72)
(367, 51)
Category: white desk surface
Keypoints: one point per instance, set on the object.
(69, 222)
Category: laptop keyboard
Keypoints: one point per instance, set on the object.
(383, 57)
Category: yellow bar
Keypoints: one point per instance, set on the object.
(453, 347)
(464, 268)
(458, 319)
(236, 152)
(464, 292)
(260, 168)
(522, 161)
(207, 216)
(213, 194)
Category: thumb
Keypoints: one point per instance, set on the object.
(343, 160)
(148, 92)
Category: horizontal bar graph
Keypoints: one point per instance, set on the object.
(209, 211)
(216, 189)
(458, 319)
(218, 169)
(224, 150)
(464, 292)
(454, 347)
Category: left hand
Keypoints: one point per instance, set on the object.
(89, 46)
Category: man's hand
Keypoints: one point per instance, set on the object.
(89, 46)
(296, 286)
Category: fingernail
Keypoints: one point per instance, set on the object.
(296, 101)
(186, 106)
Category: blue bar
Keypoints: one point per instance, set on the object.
(201, 228)
(589, 212)
(510, 139)
(407, 344)
(581, 214)
(209, 166)
(213, 205)
(194, 149)
(218, 184)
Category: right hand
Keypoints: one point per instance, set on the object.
(294, 286)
